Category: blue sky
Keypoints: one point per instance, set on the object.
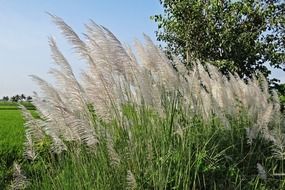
(25, 28)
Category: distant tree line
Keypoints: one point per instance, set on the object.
(17, 98)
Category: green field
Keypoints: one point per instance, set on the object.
(14, 106)
(11, 138)
(12, 132)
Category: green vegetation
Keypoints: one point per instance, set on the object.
(145, 125)
(4, 105)
(11, 140)
(237, 36)
(281, 91)
(151, 152)
(135, 122)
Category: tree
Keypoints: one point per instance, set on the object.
(281, 91)
(15, 98)
(5, 98)
(29, 98)
(22, 97)
(237, 36)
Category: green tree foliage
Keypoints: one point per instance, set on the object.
(21, 97)
(237, 36)
(29, 98)
(5, 98)
(281, 90)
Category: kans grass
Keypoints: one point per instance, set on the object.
(132, 121)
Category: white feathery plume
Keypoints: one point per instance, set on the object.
(252, 133)
(279, 150)
(214, 72)
(43, 108)
(55, 110)
(113, 155)
(179, 66)
(204, 77)
(216, 85)
(110, 50)
(75, 95)
(143, 58)
(116, 76)
(54, 125)
(57, 146)
(52, 95)
(235, 87)
(97, 94)
(194, 86)
(66, 76)
(73, 125)
(19, 179)
(59, 58)
(50, 125)
(265, 117)
(229, 98)
(99, 50)
(261, 171)
(206, 104)
(85, 130)
(51, 122)
(29, 152)
(76, 98)
(279, 142)
(120, 55)
(165, 71)
(71, 36)
(276, 105)
(33, 133)
(33, 126)
(105, 68)
(263, 84)
(131, 181)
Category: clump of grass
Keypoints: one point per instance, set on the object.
(134, 122)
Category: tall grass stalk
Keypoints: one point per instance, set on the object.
(137, 120)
